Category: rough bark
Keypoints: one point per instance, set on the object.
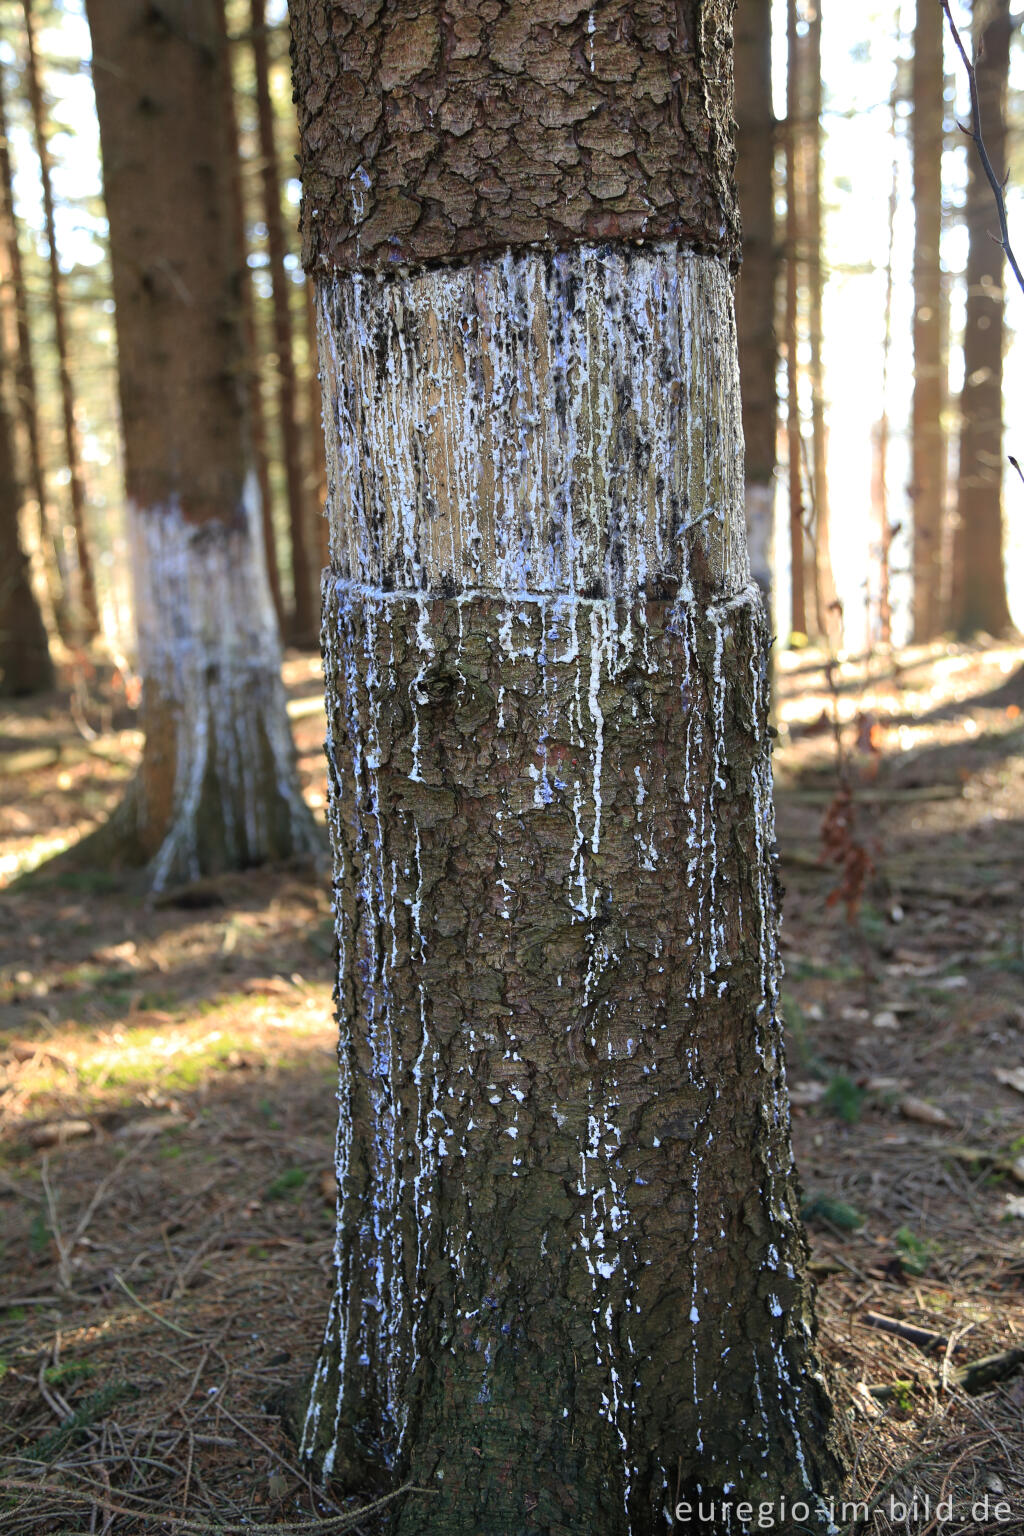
(437, 133)
(254, 396)
(303, 621)
(217, 786)
(25, 373)
(755, 291)
(571, 1285)
(794, 435)
(928, 439)
(25, 665)
(979, 581)
(89, 616)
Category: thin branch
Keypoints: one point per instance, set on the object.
(974, 132)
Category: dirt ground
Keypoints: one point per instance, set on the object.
(166, 1092)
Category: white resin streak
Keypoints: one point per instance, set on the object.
(542, 432)
(535, 423)
(208, 644)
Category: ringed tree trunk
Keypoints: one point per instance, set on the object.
(25, 665)
(217, 786)
(571, 1289)
(755, 292)
(979, 580)
(928, 439)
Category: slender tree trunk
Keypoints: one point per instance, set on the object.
(979, 595)
(928, 438)
(25, 665)
(826, 614)
(303, 619)
(881, 477)
(217, 786)
(571, 1282)
(254, 395)
(755, 293)
(25, 375)
(90, 614)
(794, 443)
(317, 445)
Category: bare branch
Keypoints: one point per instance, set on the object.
(974, 132)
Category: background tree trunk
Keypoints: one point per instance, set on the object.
(254, 393)
(979, 583)
(794, 435)
(25, 374)
(89, 616)
(25, 665)
(928, 439)
(570, 1286)
(755, 291)
(303, 619)
(826, 615)
(217, 786)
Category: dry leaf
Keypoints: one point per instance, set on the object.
(1010, 1077)
(921, 1110)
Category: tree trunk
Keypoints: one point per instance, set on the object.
(979, 595)
(254, 395)
(303, 619)
(25, 374)
(928, 439)
(89, 617)
(571, 1288)
(826, 614)
(217, 786)
(25, 665)
(755, 291)
(318, 452)
(794, 437)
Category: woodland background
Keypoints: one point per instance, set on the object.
(167, 1069)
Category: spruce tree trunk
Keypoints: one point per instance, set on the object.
(571, 1287)
(928, 439)
(794, 433)
(826, 614)
(979, 581)
(25, 378)
(755, 292)
(25, 665)
(303, 619)
(254, 394)
(217, 787)
(89, 615)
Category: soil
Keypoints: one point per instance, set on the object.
(167, 1099)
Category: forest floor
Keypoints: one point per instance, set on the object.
(167, 1094)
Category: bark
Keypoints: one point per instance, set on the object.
(254, 397)
(826, 614)
(89, 618)
(217, 786)
(303, 621)
(794, 442)
(755, 292)
(979, 583)
(571, 1285)
(25, 665)
(24, 371)
(928, 439)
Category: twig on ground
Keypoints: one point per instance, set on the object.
(164, 1321)
(338, 1522)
